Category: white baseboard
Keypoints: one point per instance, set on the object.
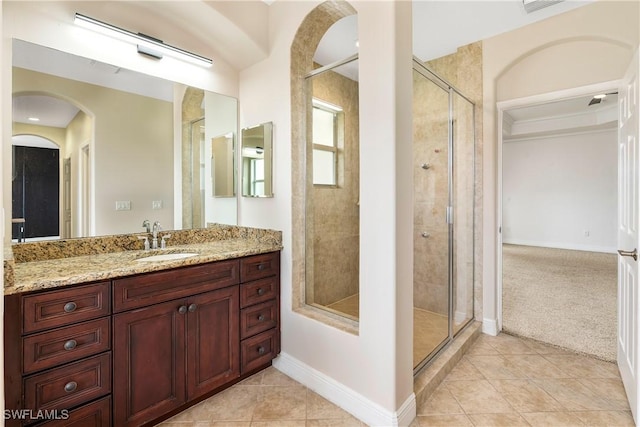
(490, 326)
(351, 401)
(561, 245)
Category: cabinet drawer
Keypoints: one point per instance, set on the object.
(59, 308)
(153, 288)
(259, 266)
(94, 414)
(258, 291)
(258, 351)
(258, 318)
(69, 385)
(63, 345)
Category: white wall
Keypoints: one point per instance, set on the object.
(558, 188)
(370, 374)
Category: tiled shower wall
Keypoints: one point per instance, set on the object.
(336, 212)
(191, 203)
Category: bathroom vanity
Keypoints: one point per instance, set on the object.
(144, 341)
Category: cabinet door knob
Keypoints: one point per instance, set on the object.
(70, 307)
(182, 309)
(70, 345)
(260, 291)
(192, 308)
(261, 267)
(261, 350)
(261, 317)
(70, 386)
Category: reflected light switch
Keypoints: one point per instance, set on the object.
(123, 205)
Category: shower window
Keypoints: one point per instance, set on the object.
(325, 143)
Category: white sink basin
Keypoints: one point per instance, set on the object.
(166, 257)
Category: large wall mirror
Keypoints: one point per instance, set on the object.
(98, 146)
(257, 161)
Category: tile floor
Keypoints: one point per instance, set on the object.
(501, 381)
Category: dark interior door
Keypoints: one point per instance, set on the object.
(36, 195)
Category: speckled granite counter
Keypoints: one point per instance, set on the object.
(50, 264)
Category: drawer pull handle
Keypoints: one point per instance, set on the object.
(70, 345)
(260, 291)
(192, 308)
(182, 309)
(70, 307)
(261, 267)
(261, 317)
(261, 350)
(70, 386)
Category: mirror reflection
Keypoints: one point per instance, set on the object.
(113, 132)
(223, 166)
(257, 154)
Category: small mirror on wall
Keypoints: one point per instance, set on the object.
(257, 168)
(223, 165)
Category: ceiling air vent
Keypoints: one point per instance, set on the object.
(533, 5)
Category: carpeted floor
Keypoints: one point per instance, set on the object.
(561, 297)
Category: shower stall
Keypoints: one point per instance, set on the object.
(444, 157)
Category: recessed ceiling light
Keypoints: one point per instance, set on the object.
(33, 119)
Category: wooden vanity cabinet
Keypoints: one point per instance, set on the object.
(58, 353)
(141, 348)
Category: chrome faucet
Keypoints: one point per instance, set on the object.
(147, 225)
(156, 228)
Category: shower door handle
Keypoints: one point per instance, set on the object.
(633, 254)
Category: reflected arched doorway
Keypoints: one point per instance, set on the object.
(50, 194)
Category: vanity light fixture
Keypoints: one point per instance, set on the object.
(146, 45)
(533, 5)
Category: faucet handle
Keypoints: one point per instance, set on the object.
(146, 224)
(163, 242)
(146, 242)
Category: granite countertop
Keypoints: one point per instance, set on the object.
(105, 261)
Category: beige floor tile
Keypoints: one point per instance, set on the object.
(575, 396)
(507, 344)
(227, 424)
(526, 396)
(577, 366)
(542, 348)
(271, 376)
(233, 404)
(319, 408)
(534, 366)
(199, 412)
(496, 367)
(482, 347)
(606, 418)
(440, 402)
(444, 421)
(279, 423)
(281, 403)
(464, 370)
(498, 420)
(610, 389)
(342, 422)
(552, 419)
(478, 396)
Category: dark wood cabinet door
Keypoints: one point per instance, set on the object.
(149, 373)
(213, 340)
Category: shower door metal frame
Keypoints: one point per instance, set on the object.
(429, 74)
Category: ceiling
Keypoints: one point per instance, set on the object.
(433, 21)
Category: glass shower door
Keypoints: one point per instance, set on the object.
(431, 230)
(462, 198)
